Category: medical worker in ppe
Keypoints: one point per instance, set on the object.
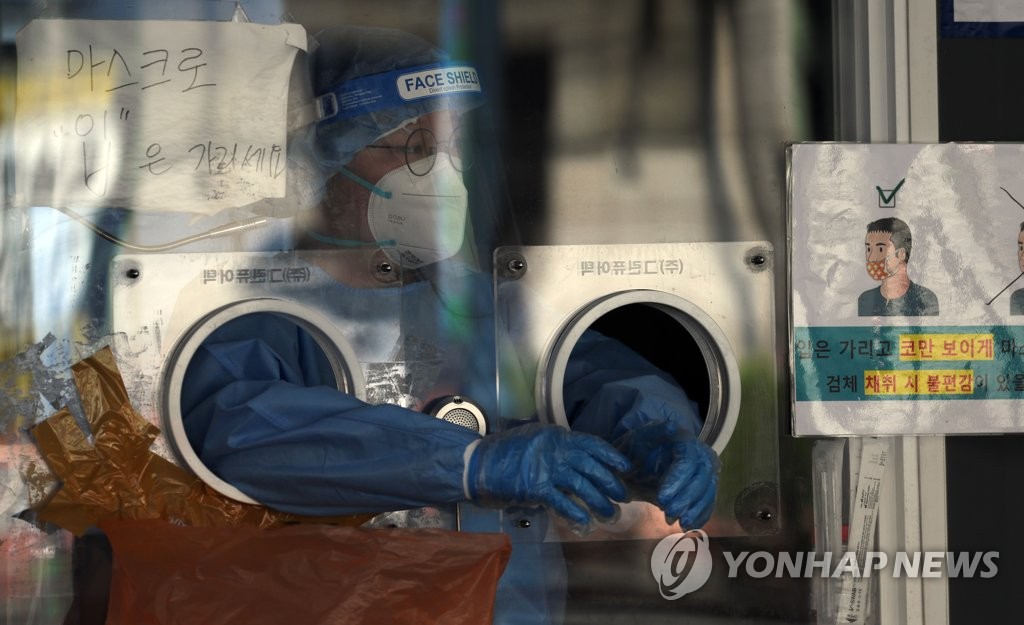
(259, 402)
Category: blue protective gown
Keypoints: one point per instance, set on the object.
(261, 412)
(260, 408)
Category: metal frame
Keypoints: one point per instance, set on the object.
(166, 305)
(887, 91)
(716, 293)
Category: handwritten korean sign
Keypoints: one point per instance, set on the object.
(152, 115)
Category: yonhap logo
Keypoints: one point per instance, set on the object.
(681, 563)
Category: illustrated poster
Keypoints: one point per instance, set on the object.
(907, 306)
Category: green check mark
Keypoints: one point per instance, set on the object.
(887, 199)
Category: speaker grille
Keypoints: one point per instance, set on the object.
(459, 410)
(463, 417)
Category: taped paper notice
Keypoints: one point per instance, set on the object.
(988, 11)
(152, 115)
(907, 288)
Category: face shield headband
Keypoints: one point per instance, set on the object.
(409, 89)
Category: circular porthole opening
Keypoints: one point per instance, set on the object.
(324, 358)
(670, 333)
(663, 342)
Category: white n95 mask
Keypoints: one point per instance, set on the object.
(424, 215)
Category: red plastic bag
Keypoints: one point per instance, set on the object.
(301, 575)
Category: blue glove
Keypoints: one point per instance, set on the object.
(550, 466)
(613, 392)
(672, 469)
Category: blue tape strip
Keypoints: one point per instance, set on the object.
(832, 363)
(399, 87)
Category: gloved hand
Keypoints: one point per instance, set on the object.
(613, 392)
(672, 469)
(550, 466)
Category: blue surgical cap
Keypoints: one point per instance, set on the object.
(370, 81)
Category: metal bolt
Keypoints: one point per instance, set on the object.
(511, 265)
(523, 523)
(132, 273)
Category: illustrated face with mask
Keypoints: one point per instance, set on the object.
(405, 188)
(1020, 250)
(882, 259)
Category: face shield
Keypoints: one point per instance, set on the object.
(411, 184)
(394, 136)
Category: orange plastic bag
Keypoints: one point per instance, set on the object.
(117, 476)
(302, 574)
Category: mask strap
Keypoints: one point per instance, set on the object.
(369, 186)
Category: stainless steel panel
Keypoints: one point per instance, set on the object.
(719, 293)
(166, 304)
